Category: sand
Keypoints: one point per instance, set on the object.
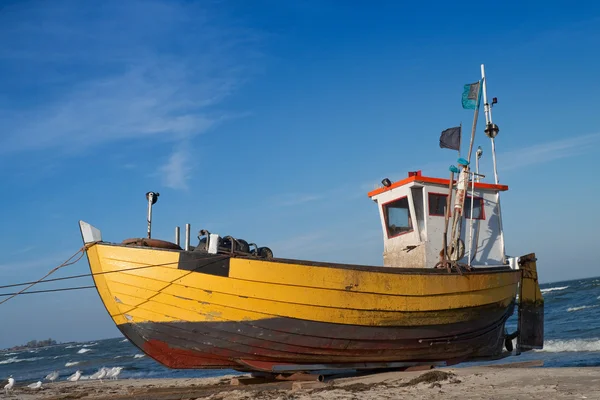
(445, 383)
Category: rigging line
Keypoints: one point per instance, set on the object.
(69, 261)
(106, 272)
(48, 291)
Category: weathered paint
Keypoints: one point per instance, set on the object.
(531, 308)
(286, 310)
(421, 247)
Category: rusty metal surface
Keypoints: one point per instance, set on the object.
(531, 307)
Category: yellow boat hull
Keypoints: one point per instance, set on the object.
(196, 310)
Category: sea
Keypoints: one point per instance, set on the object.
(571, 324)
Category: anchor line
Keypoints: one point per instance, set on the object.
(49, 290)
(69, 262)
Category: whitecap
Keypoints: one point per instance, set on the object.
(83, 351)
(573, 345)
(11, 360)
(124, 340)
(17, 360)
(139, 356)
(571, 309)
(552, 289)
(71, 363)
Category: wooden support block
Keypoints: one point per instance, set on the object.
(249, 381)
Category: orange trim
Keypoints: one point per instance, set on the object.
(437, 181)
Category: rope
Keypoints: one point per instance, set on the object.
(219, 257)
(49, 290)
(64, 264)
(69, 262)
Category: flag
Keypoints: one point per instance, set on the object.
(471, 95)
(450, 138)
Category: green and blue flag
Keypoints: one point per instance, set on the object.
(471, 96)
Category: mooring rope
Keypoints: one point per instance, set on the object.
(49, 290)
(53, 270)
(69, 262)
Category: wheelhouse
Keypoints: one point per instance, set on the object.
(412, 213)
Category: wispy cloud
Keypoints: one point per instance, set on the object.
(177, 170)
(152, 71)
(293, 199)
(549, 151)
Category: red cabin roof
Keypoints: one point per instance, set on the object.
(417, 177)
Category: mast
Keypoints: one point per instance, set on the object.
(491, 131)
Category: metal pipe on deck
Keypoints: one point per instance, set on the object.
(152, 199)
(187, 237)
(177, 235)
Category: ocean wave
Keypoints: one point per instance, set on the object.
(572, 345)
(82, 351)
(71, 363)
(17, 360)
(139, 356)
(89, 345)
(552, 289)
(11, 360)
(124, 340)
(571, 309)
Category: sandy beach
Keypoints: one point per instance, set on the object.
(498, 382)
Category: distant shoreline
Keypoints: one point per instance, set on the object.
(24, 347)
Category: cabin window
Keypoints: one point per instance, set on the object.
(478, 211)
(397, 217)
(437, 204)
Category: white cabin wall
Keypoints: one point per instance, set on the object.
(489, 247)
(395, 250)
(435, 227)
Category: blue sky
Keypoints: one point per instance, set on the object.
(271, 120)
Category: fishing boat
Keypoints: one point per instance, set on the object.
(442, 296)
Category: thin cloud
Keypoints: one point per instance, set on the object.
(546, 152)
(153, 71)
(294, 199)
(177, 170)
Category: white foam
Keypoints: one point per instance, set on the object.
(71, 363)
(82, 351)
(18, 360)
(559, 346)
(571, 309)
(11, 360)
(124, 340)
(139, 356)
(552, 289)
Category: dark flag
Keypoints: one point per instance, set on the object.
(450, 138)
